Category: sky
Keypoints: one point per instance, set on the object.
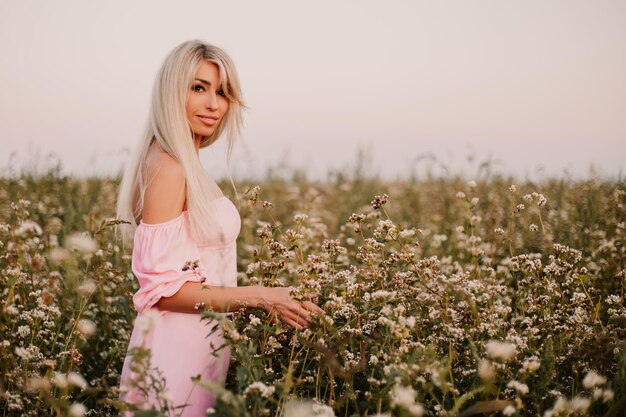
(535, 88)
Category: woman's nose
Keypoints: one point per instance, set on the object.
(211, 102)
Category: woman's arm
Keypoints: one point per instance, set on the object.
(193, 297)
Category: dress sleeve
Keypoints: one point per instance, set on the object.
(164, 258)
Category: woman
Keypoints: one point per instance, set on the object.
(184, 229)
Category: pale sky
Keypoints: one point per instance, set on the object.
(537, 87)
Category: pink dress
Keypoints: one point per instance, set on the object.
(180, 347)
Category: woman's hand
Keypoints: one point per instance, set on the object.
(280, 304)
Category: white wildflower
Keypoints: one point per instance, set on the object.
(37, 384)
(403, 396)
(613, 299)
(77, 380)
(11, 310)
(230, 331)
(460, 195)
(86, 288)
(559, 406)
(579, 404)
(86, 327)
(28, 226)
(164, 397)
(593, 379)
(261, 388)
(299, 408)
(500, 350)
(252, 267)
(300, 217)
(322, 410)
(254, 320)
(509, 410)
(23, 331)
(382, 294)
(58, 255)
(23, 353)
(82, 243)
(486, 371)
(77, 410)
(416, 410)
(531, 365)
(60, 380)
(540, 199)
(295, 408)
(597, 393)
(518, 386)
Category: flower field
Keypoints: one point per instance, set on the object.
(443, 297)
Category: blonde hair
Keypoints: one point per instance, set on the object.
(169, 127)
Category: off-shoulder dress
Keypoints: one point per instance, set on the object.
(182, 346)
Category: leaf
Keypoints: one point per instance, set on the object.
(517, 275)
(484, 407)
(586, 277)
(242, 376)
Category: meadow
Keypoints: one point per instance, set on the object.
(443, 297)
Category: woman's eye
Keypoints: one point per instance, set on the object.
(195, 88)
(221, 93)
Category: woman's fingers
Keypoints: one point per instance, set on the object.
(299, 309)
(297, 314)
(294, 324)
(311, 295)
(301, 315)
(293, 320)
(313, 308)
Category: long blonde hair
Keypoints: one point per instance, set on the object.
(169, 127)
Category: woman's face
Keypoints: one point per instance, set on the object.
(206, 103)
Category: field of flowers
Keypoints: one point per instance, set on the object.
(443, 297)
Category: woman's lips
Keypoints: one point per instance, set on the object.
(208, 120)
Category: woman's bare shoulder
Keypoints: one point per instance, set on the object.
(164, 198)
